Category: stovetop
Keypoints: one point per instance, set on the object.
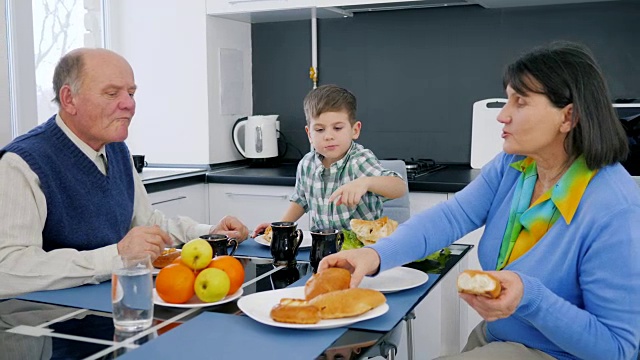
(420, 167)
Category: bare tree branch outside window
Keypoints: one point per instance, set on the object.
(58, 27)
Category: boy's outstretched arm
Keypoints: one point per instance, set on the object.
(349, 194)
(391, 187)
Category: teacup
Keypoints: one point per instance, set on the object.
(138, 162)
(220, 242)
(285, 242)
(324, 242)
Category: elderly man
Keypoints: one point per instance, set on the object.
(70, 198)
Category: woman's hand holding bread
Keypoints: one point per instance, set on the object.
(505, 304)
(359, 262)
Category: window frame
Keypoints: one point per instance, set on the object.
(19, 113)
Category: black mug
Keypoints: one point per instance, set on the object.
(324, 242)
(138, 162)
(219, 243)
(285, 242)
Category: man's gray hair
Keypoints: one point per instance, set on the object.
(68, 72)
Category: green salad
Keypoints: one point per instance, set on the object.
(351, 242)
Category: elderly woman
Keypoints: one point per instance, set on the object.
(561, 217)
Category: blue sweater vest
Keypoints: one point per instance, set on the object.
(85, 209)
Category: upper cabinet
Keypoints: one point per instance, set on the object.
(239, 6)
(257, 11)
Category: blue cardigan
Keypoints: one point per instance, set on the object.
(581, 281)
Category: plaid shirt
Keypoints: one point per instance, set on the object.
(315, 184)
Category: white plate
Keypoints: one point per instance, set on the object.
(194, 302)
(258, 306)
(396, 279)
(306, 240)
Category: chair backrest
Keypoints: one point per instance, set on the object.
(397, 209)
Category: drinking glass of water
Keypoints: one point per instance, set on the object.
(132, 292)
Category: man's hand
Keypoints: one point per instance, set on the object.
(359, 262)
(144, 240)
(350, 193)
(232, 227)
(503, 306)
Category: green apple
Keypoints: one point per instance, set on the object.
(212, 285)
(196, 254)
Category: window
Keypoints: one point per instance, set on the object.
(58, 27)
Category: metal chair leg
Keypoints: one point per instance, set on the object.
(392, 354)
(388, 350)
(409, 321)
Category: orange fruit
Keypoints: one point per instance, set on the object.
(174, 283)
(233, 267)
(177, 260)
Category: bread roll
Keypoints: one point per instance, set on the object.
(267, 234)
(165, 258)
(347, 303)
(369, 231)
(479, 283)
(331, 279)
(295, 311)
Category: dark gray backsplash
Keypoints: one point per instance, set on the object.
(417, 73)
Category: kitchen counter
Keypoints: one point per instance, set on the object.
(151, 175)
(451, 179)
(157, 178)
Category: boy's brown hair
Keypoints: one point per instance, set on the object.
(329, 98)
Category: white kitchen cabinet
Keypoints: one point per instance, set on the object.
(436, 316)
(216, 7)
(469, 318)
(191, 201)
(260, 11)
(419, 201)
(252, 204)
(443, 321)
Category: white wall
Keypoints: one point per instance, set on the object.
(173, 47)
(226, 34)
(165, 43)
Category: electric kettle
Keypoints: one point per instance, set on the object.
(260, 136)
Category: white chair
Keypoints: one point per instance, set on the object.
(397, 209)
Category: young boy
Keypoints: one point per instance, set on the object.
(339, 180)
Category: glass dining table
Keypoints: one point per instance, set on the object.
(66, 324)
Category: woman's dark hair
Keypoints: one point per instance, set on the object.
(567, 73)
